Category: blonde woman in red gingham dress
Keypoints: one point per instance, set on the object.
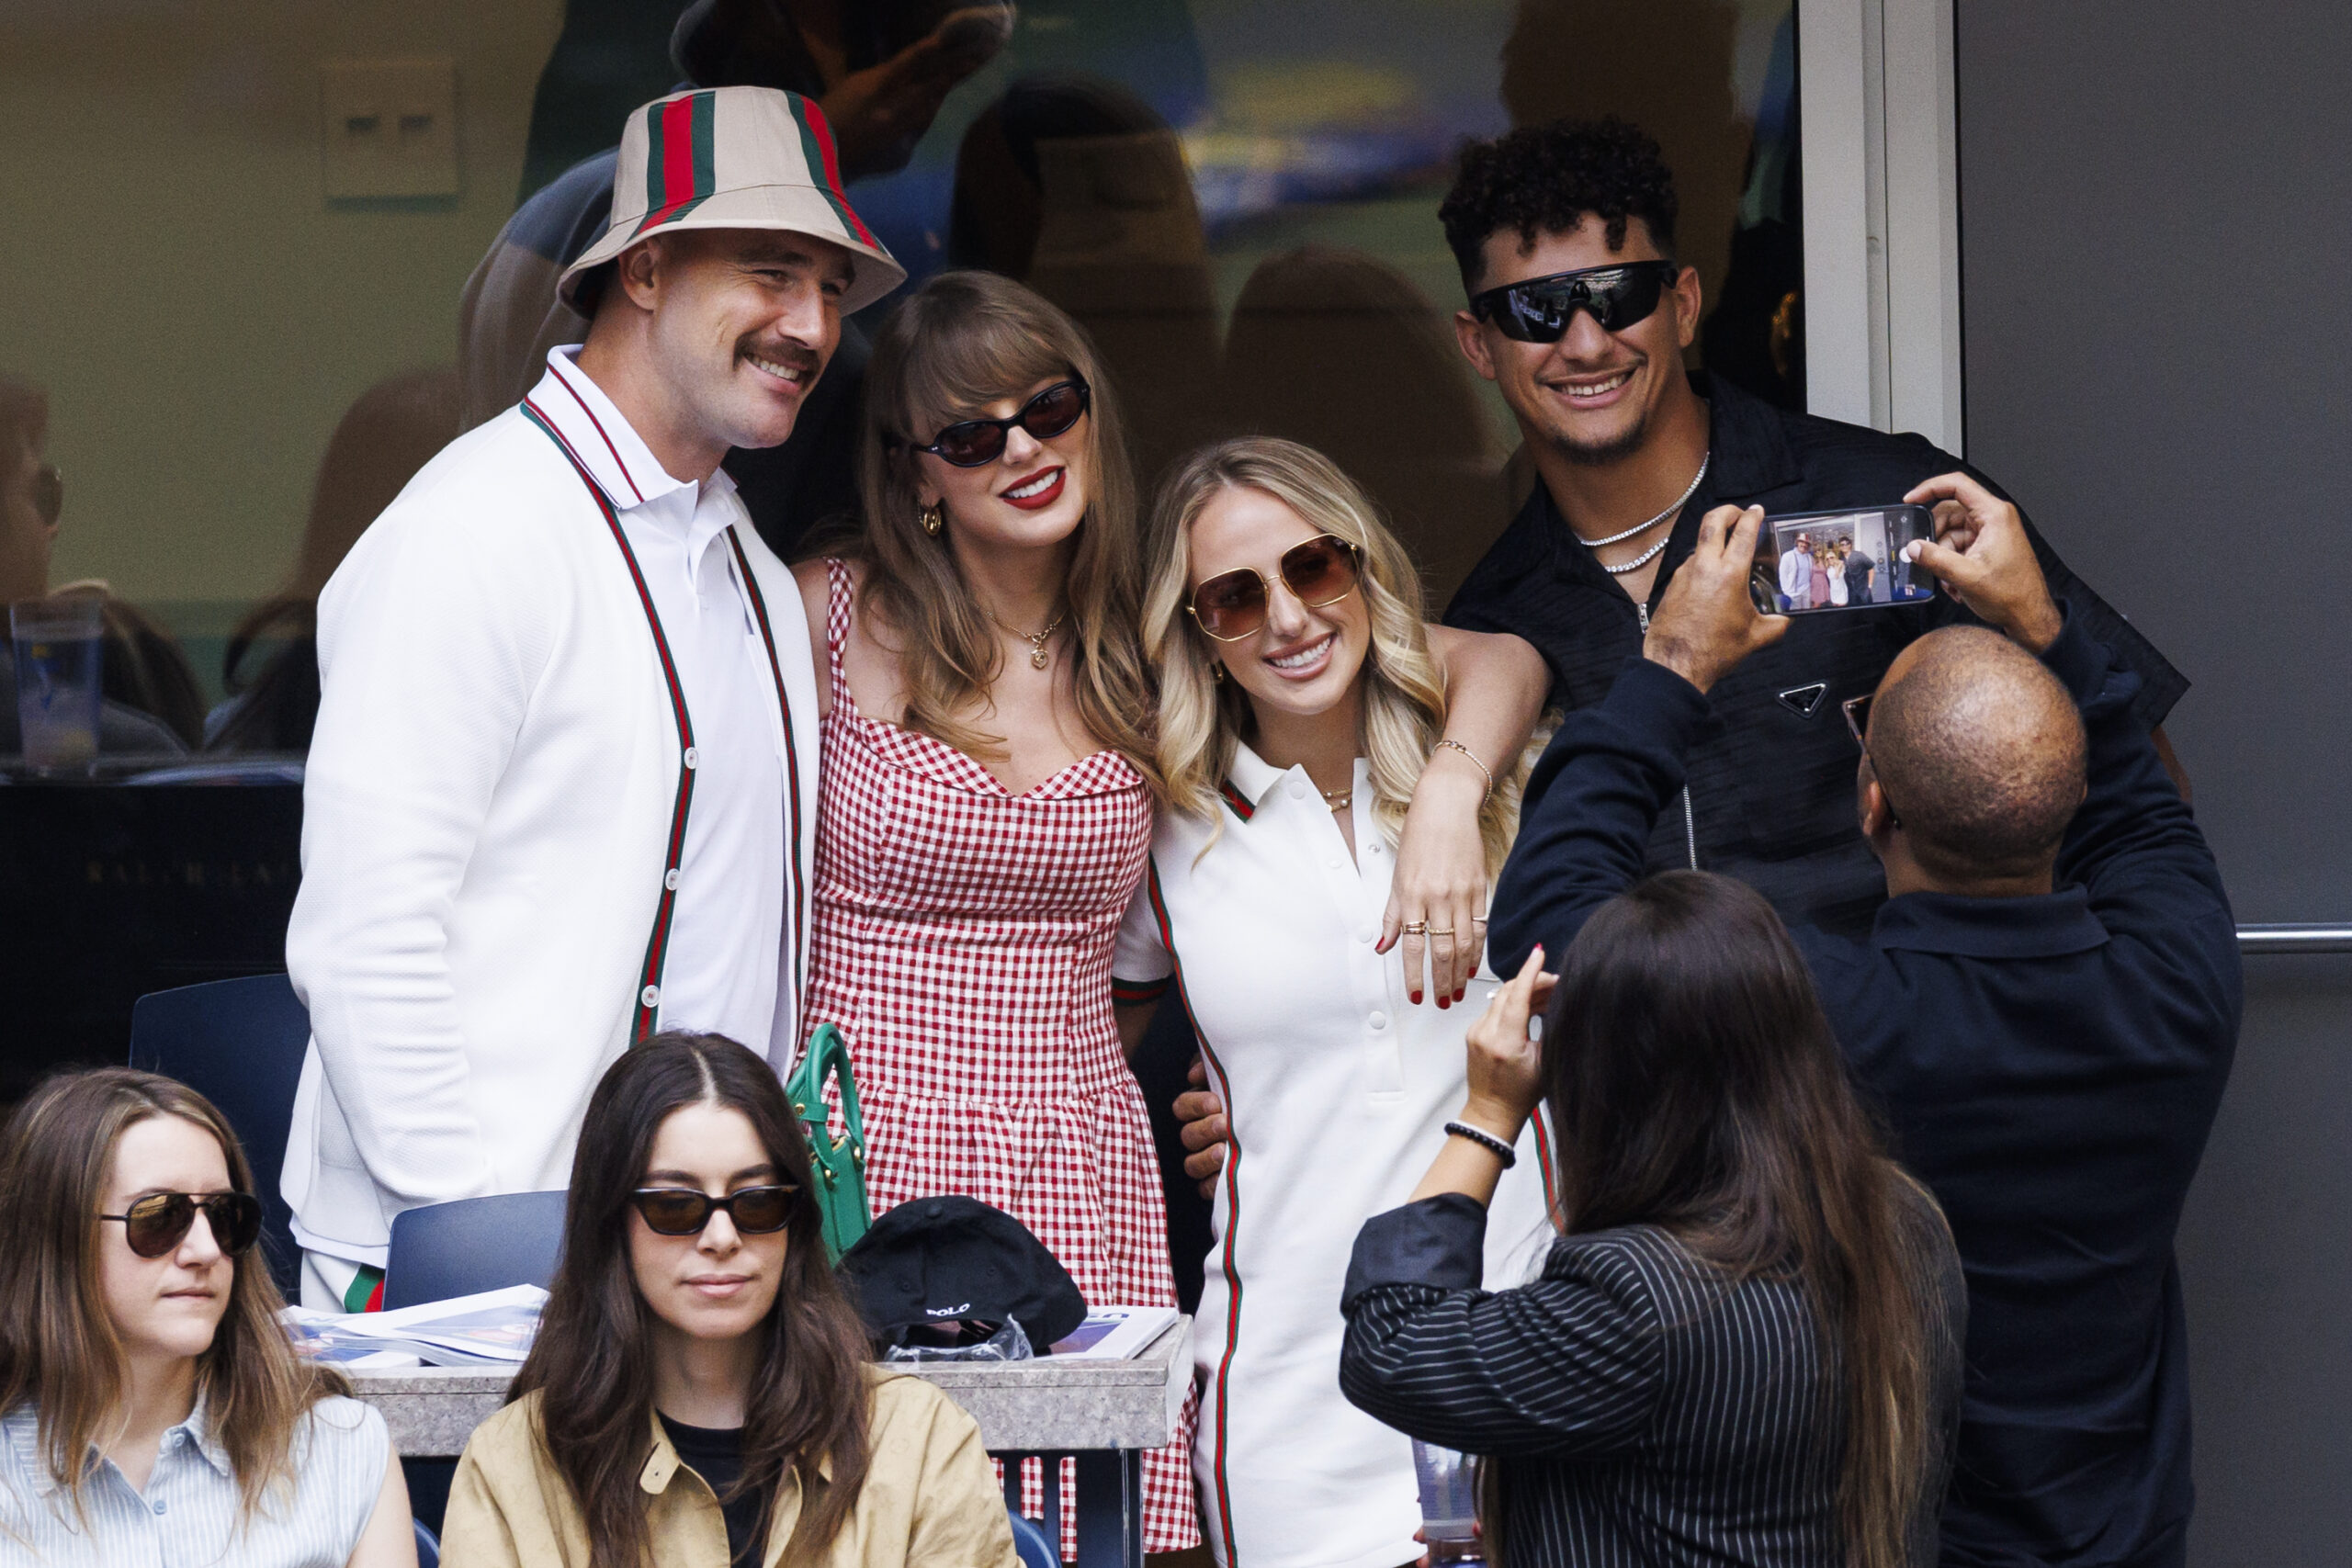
(964, 924)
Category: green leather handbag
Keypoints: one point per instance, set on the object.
(838, 1164)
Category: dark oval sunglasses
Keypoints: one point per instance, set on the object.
(969, 443)
(161, 1221)
(1538, 310)
(682, 1211)
(1232, 604)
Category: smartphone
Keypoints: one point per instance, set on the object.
(1840, 560)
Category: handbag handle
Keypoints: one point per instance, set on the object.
(828, 1057)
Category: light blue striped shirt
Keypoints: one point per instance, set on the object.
(190, 1514)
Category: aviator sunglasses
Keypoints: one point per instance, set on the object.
(1232, 604)
(161, 1221)
(969, 443)
(682, 1211)
(1538, 310)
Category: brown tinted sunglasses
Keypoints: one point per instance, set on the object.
(161, 1221)
(684, 1211)
(1232, 604)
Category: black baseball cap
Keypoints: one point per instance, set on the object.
(944, 1261)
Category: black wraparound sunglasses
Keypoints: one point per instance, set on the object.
(969, 443)
(161, 1221)
(1538, 310)
(684, 1211)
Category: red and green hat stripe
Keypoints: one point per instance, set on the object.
(680, 158)
(824, 166)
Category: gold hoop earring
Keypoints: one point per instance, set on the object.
(1216, 674)
(934, 520)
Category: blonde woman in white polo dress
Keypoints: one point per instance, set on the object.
(1302, 698)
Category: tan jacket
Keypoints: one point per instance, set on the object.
(930, 1500)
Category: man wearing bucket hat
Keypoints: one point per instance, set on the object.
(563, 785)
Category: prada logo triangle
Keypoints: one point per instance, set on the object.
(1804, 700)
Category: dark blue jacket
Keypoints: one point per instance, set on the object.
(2049, 1066)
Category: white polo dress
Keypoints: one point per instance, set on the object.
(1337, 1090)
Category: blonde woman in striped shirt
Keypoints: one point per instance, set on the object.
(151, 1407)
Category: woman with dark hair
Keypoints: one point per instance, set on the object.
(699, 1391)
(151, 1407)
(1746, 1346)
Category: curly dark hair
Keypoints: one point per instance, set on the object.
(1544, 178)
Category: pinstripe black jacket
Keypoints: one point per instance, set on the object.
(1640, 1410)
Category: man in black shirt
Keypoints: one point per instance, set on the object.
(2045, 1007)
(1631, 453)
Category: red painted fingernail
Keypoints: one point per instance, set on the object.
(1461, 992)
(1416, 999)
(1443, 1003)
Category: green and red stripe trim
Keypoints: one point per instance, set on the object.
(1243, 806)
(642, 1020)
(1224, 1086)
(791, 758)
(365, 1291)
(824, 167)
(1135, 993)
(680, 158)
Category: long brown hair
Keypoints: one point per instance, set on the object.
(57, 1347)
(1695, 1086)
(592, 1363)
(1202, 720)
(963, 340)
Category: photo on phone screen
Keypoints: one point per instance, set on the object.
(1840, 560)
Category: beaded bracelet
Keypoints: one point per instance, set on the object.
(1466, 751)
(1479, 1135)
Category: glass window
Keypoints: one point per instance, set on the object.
(266, 259)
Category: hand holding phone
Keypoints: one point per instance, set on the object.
(1707, 621)
(1984, 557)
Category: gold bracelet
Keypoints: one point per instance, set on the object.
(1466, 751)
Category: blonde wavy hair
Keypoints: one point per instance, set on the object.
(962, 341)
(1202, 720)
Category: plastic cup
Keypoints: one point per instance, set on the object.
(57, 642)
(1448, 1485)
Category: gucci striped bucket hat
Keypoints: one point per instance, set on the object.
(735, 158)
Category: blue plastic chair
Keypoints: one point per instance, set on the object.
(240, 1044)
(1030, 1541)
(475, 1243)
(428, 1550)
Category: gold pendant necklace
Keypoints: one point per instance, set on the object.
(1038, 657)
(1339, 799)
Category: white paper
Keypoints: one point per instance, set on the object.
(491, 1329)
(1115, 1332)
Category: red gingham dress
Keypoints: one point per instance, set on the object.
(962, 942)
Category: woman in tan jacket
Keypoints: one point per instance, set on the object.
(699, 1395)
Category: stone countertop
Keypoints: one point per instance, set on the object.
(1049, 1404)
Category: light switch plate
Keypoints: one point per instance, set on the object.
(389, 128)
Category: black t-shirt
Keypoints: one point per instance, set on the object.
(1771, 795)
(717, 1455)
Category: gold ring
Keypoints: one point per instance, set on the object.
(1440, 930)
(1416, 927)
(1478, 920)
